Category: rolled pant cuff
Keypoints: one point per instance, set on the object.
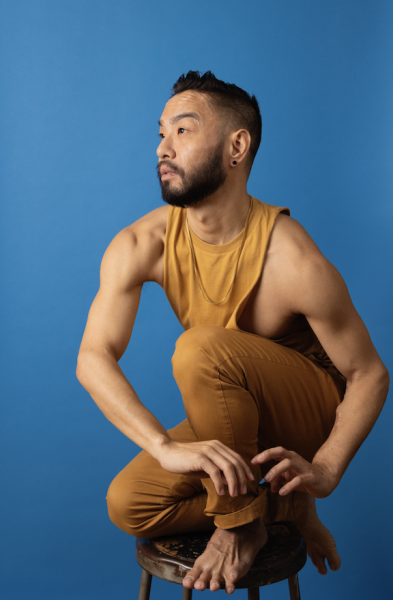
(271, 508)
(243, 516)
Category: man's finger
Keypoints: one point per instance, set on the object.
(223, 465)
(215, 475)
(236, 465)
(239, 472)
(277, 453)
(237, 460)
(230, 476)
(292, 485)
(285, 465)
(278, 483)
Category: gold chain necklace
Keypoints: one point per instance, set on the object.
(236, 265)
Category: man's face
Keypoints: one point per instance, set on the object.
(190, 154)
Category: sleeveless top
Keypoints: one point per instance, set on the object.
(216, 265)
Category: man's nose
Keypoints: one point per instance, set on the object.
(165, 149)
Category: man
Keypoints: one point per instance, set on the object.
(272, 342)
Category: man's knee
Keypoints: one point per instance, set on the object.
(195, 349)
(127, 507)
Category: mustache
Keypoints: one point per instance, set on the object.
(171, 166)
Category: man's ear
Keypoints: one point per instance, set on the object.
(239, 147)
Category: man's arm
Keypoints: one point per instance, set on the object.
(317, 290)
(124, 269)
(130, 260)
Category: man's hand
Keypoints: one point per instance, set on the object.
(295, 473)
(208, 459)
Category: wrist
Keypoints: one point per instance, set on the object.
(160, 446)
(331, 471)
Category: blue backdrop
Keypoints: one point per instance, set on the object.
(83, 83)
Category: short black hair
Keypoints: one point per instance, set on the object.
(240, 109)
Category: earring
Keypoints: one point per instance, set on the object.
(234, 162)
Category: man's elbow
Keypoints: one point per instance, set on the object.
(80, 368)
(84, 367)
(91, 363)
(385, 378)
(376, 376)
(381, 380)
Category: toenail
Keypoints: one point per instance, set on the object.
(189, 577)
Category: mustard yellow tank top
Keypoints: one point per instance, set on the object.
(216, 265)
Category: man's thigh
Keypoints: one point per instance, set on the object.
(145, 500)
(253, 388)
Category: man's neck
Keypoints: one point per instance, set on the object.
(221, 217)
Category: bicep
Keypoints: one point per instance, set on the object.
(112, 314)
(326, 304)
(110, 321)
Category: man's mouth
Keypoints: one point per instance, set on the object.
(167, 173)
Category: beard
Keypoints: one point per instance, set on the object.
(204, 181)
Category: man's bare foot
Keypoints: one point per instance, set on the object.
(228, 557)
(320, 542)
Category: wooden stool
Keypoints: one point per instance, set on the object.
(171, 558)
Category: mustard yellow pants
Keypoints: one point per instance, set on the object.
(248, 392)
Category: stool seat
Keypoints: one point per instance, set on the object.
(171, 558)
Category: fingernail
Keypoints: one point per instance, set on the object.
(282, 492)
(268, 477)
(230, 590)
(244, 489)
(252, 476)
(189, 577)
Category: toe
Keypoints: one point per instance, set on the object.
(214, 585)
(191, 577)
(188, 582)
(203, 580)
(200, 585)
(334, 562)
(319, 561)
(322, 570)
(230, 580)
(233, 575)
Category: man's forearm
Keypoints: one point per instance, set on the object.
(355, 417)
(101, 376)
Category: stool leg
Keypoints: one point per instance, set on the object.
(253, 593)
(294, 590)
(144, 589)
(187, 594)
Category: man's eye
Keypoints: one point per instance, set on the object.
(181, 130)
(161, 135)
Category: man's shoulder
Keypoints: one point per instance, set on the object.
(146, 233)
(290, 239)
(138, 248)
(296, 262)
(152, 225)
